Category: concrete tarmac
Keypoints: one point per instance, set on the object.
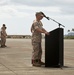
(15, 59)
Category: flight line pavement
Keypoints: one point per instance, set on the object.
(15, 59)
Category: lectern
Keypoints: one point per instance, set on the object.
(54, 51)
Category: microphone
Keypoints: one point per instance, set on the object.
(45, 15)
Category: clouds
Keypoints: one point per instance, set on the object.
(24, 10)
(33, 2)
(59, 6)
(4, 2)
(66, 6)
(44, 2)
(13, 10)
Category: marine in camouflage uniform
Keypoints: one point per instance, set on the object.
(3, 36)
(37, 29)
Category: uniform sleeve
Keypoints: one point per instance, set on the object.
(1, 31)
(36, 25)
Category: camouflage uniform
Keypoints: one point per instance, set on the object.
(36, 40)
(3, 36)
(0, 37)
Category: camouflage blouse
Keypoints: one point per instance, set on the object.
(36, 36)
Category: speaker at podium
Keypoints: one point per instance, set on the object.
(54, 51)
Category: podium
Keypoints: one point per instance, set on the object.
(54, 52)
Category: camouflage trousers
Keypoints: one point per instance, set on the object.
(3, 41)
(37, 51)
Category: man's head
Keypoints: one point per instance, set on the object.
(39, 15)
(4, 26)
(42, 14)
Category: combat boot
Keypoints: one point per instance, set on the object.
(42, 63)
(36, 63)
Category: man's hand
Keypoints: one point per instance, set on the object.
(47, 33)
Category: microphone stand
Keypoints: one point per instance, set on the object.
(52, 20)
(59, 24)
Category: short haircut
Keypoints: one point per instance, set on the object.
(39, 13)
(4, 25)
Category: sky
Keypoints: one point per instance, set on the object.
(18, 15)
